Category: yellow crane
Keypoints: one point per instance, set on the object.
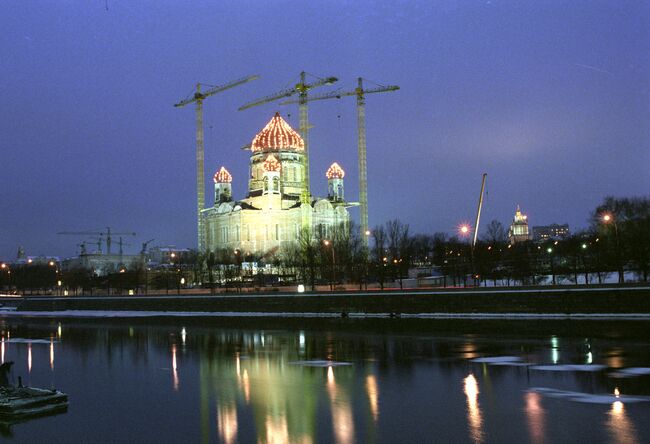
(198, 97)
(301, 89)
(360, 93)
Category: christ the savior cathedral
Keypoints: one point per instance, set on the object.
(278, 205)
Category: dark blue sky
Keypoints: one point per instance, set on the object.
(550, 98)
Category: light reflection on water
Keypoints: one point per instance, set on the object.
(474, 417)
(620, 427)
(373, 396)
(535, 416)
(175, 379)
(249, 385)
(227, 422)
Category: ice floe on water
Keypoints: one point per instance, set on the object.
(319, 363)
(631, 372)
(511, 364)
(28, 341)
(503, 361)
(569, 368)
(498, 359)
(589, 398)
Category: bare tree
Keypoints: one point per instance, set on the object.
(495, 232)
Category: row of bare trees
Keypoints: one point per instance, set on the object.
(615, 246)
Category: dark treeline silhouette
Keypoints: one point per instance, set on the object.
(615, 247)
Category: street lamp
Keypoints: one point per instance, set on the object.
(549, 250)
(607, 219)
(327, 243)
(464, 229)
(4, 267)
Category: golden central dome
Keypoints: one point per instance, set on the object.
(277, 135)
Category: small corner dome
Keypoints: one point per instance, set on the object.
(335, 172)
(277, 135)
(222, 176)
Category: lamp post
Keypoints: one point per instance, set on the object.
(464, 230)
(56, 272)
(609, 218)
(4, 267)
(238, 262)
(327, 243)
(549, 250)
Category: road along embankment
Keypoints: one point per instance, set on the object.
(535, 301)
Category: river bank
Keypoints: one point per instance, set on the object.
(531, 302)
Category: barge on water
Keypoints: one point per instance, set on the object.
(17, 403)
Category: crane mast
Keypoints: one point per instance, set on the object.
(303, 114)
(200, 171)
(200, 151)
(363, 175)
(478, 211)
(360, 93)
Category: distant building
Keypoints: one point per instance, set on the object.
(518, 231)
(553, 231)
(168, 255)
(102, 264)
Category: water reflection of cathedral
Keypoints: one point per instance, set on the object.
(286, 399)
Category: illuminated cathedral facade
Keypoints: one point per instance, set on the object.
(278, 206)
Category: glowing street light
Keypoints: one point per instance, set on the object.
(327, 243)
(549, 250)
(608, 218)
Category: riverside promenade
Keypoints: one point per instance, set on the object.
(631, 301)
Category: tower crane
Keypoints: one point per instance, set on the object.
(145, 245)
(198, 97)
(360, 94)
(108, 233)
(301, 88)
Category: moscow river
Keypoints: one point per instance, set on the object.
(228, 380)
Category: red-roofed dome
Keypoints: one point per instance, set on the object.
(335, 172)
(222, 176)
(277, 135)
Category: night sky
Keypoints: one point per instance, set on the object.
(550, 98)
